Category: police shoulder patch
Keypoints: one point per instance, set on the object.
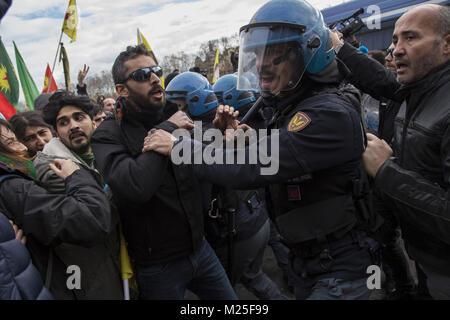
(299, 122)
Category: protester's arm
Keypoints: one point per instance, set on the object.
(367, 74)
(423, 203)
(81, 216)
(81, 86)
(45, 174)
(131, 179)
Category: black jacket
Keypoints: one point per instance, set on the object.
(4, 6)
(81, 217)
(19, 279)
(416, 181)
(160, 204)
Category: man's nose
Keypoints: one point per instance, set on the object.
(399, 50)
(73, 125)
(154, 79)
(41, 141)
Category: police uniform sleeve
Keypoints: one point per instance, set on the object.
(315, 138)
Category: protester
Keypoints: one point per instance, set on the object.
(161, 206)
(108, 104)
(389, 58)
(81, 86)
(31, 130)
(52, 222)
(71, 118)
(98, 115)
(414, 183)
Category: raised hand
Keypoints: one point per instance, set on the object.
(82, 74)
(226, 118)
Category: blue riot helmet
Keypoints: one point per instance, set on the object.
(285, 39)
(226, 91)
(195, 90)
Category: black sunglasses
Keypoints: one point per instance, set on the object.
(389, 52)
(143, 74)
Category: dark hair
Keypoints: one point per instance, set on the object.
(41, 101)
(7, 153)
(118, 68)
(170, 78)
(3, 150)
(378, 55)
(96, 110)
(63, 99)
(21, 121)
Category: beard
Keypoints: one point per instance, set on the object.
(147, 101)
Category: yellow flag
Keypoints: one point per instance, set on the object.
(125, 263)
(216, 68)
(141, 40)
(71, 20)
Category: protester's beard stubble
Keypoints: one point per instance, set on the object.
(147, 101)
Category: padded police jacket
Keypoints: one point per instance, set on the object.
(418, 177)
(320, 146)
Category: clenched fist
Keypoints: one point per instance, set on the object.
(376, 154)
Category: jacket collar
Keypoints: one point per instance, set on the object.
(56, 148)
(440, 74)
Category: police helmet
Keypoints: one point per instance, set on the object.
(287, 30)
(195, 90)
(226, 91)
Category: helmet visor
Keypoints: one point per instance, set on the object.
(272, 58)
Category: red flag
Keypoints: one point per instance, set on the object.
(6, 108)
(48, 75)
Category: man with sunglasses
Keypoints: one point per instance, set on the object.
(413, 178)
(160, 204)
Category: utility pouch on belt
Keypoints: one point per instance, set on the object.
(317, 220)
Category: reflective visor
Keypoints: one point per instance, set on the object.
(273, 57)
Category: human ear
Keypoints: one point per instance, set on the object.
(122, 90)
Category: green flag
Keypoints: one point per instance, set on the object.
(9, 85)
(30, 91)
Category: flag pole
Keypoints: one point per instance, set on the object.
(54, 62)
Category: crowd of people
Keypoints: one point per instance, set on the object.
(363, 147)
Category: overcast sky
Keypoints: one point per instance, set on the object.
(107, 27)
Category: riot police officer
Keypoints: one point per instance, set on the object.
(287, 47)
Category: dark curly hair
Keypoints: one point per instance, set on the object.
(63, 99)
(118, 68)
